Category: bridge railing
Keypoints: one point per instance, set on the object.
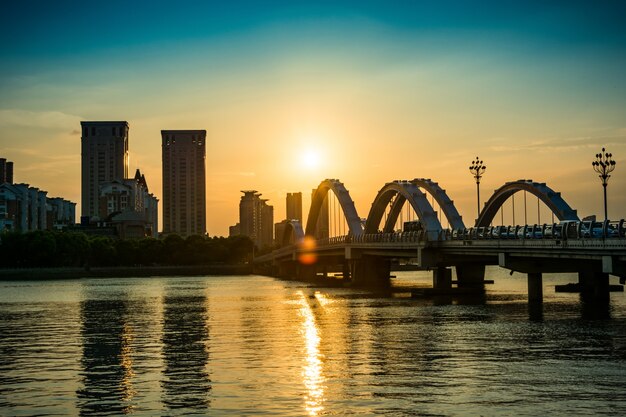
(564, 230)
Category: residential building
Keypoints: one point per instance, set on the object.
(256, 218)
(184, 182)
(294, 206)
(322, 229)
(104, 158)
(6, 171)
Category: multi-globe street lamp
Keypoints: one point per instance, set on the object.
(604, 165)
(477, 169)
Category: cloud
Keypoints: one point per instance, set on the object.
(562, 144)
(43, 119)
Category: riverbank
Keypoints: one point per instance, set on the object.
(121, 272)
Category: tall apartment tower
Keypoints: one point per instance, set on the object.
(184, 182)
(104, 157)
(294, 206)
(322, 229)
(6, 171)
(256, 218)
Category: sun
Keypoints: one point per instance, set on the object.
(310, 158)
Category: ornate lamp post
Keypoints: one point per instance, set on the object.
(603, 165)
(477, 169)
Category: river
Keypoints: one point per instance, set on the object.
(254, 345)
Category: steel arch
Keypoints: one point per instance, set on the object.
(405, 191)
(439, 194)
(347, 206)
(552, 199)
(292, 234)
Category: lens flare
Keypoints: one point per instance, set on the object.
(306, 254)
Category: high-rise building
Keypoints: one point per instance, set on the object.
(322, 229)
(256, 218)
(294, 206)
(104, 156)
(184, 183)
(6, 171)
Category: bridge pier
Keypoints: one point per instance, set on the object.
(535, 288)
(470, 275)
(594, 286)
(442, 278)
(287, 269)
(371, 271)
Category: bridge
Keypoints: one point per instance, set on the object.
(365, 251)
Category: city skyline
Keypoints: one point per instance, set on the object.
(292, 95)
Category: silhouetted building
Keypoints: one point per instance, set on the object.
(104, 156)
(322, 229)
(279, 231)
(130, 200)
(234, 230)
(184, 183)
(294, 206)
(25, 209)
(6, 171)
(256, 218)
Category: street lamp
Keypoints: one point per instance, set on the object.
(603, 165)
(477, 169)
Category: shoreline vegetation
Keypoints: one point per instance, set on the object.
(59, 255)
(60, 273)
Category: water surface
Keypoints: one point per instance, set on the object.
(245, 345)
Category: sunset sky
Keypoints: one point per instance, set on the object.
(377, 90)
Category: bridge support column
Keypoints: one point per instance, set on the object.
(288, 269)
(346, 270)
(535, 287)
(594, 286)
(442, 278)
(370, 271)
(306, 272)
(470, 275)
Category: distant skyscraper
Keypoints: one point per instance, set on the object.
(104, 156)
(256, 218)
(6, 171)
(184, 182)
(322, 229)
(294, 206)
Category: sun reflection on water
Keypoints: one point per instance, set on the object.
(312, 370)
(126, 383)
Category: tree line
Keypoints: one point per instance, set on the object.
(70, 249)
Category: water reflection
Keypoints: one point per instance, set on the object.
(312, 370)
(106, 362)
(186, 382)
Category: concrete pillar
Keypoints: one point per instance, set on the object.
(370, 271)
(442, 278)
(470, 275)
(346, 270)
(306, 272)
(535, 287)
(594, 285)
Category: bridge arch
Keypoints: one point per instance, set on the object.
(550, 198)
(402, 191)
(439, 194)
(292, 233)
(347, 206)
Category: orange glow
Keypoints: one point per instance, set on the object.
(307, 255)
(312, 370)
